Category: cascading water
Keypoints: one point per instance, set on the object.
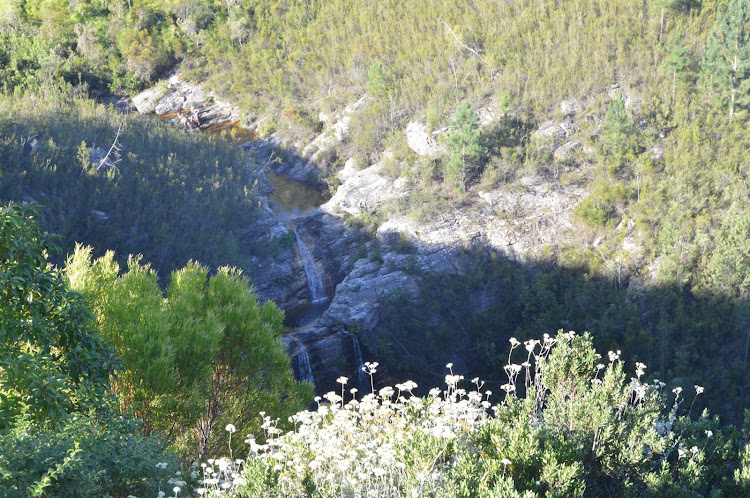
(304, 368)
(314, 280)
(363, 378)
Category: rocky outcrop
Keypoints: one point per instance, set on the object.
(521, 222)
(632, 102)
(365, 191)
(331, 352)
(186, 103)
(313, 160)
(551, 134)
(570, 107)
(146, 101)
(357, 271)
(567, 151)
(334, 133)
(421, 141)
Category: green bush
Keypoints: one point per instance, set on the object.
(568, 423)
(87, 454)
(205, 356)
(52, 361)
(59, 431)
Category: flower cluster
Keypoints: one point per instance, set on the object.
(388, 443)
(393, 443)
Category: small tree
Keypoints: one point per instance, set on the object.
(60, 434)
(618, 134)
(206, 356)
(726, 63)
(676, 62)
(52, 362)
(377, 85)
(464, 147)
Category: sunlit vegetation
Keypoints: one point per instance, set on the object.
(205, 356)
(659, 268)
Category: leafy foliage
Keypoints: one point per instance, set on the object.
(618, 134)
(52, 362)
(59, 432)
(726, 64)
(464, 146)
(86, 455)
(206, 356)
(569, 423)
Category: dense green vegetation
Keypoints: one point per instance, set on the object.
(206, 356)
(164, 193)
(570, 423)
(662, 89)
(468, 319)
(59, 429)
(76, 420)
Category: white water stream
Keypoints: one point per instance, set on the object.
(363, 379)
(303, 360)
(314, 280)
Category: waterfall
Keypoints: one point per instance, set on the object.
(314, 280)
(304, 369)
(363, 378)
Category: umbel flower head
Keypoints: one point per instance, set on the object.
(389, 443)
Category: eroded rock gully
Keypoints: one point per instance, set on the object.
(358, 271)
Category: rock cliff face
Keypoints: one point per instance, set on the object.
(176, 98)
(519, 222)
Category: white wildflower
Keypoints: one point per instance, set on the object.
(640, 369)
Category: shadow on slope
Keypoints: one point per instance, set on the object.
(468, 319)
(168, 194)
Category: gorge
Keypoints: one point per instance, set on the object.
(332, 281)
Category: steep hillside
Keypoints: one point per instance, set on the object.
(127, 183)
(598, 145)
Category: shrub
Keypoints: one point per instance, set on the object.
(567, 425)
(59, 430)
(87, 455)
(52, 361)
(207, 355)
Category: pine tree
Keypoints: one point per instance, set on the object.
(377, 85)
(726, 63)
(617, 134)
(463, 143)
(677, 61)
